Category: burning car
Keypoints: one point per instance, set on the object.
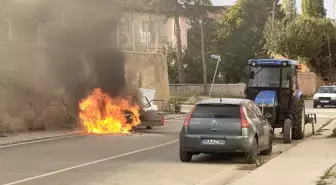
(101, 114)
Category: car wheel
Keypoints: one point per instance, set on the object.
(133, 129)
(252, 156)
(270, 146)
(315, 106)
(185, 156)
(322, 106)
(149, 127)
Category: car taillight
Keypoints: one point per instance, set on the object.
(186, 122)
(162, 119)
(243, 120)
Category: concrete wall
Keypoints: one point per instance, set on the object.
(229, 90)
(308, 82)
(148, 71)
(28, 103)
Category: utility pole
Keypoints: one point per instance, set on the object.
(205, 74)
(328, 40)
(273, 14)
(273, 18)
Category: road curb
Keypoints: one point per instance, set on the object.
(77, 133)
(306, 137)
(41, 139)
(326, 124)
(272, 157)
(323, 125)
(175, 117)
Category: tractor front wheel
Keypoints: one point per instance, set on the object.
(287, 131)
(298, 120)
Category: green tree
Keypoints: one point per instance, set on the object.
(314, 8)
(193, 57)
(289, 8)
(172, 69)
(190, 9)
(305, 37)
(242, 35)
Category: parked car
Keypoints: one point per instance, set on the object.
(325, 95)
(226, 126)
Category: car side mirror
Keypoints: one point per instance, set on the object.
(252, 74)
(268, 115)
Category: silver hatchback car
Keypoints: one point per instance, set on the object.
(226, 125)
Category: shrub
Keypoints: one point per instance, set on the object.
(174, 105)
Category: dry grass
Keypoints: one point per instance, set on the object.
(334, 133)
(328, 175)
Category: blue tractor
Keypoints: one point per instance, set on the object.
(273, 85)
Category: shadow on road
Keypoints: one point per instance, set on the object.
(219, 159)
(229, 159)
(156, 131)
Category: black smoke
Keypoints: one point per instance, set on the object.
(109, 67)
(80, 74)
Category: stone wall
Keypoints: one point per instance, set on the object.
(226, 90)
(308, 82)
(29, 101)
(21, 67)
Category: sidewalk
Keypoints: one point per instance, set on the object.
(301, 165)
(9, 139)
(173, 116)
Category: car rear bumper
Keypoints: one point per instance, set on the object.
(325, 102)
(233, 144)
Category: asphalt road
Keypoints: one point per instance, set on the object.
(148, 157)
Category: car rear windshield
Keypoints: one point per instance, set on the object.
(216, 111)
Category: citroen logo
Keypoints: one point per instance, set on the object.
(214, 122)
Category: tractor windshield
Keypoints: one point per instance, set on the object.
(269, 77)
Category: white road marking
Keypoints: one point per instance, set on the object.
(89, 163)
(38, 141)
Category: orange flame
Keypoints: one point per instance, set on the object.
(100, 114)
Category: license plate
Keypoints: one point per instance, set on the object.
(213, 142)
(324, 101)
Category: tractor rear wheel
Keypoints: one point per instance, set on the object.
(298, 120)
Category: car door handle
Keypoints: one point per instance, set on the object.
(214, 129)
